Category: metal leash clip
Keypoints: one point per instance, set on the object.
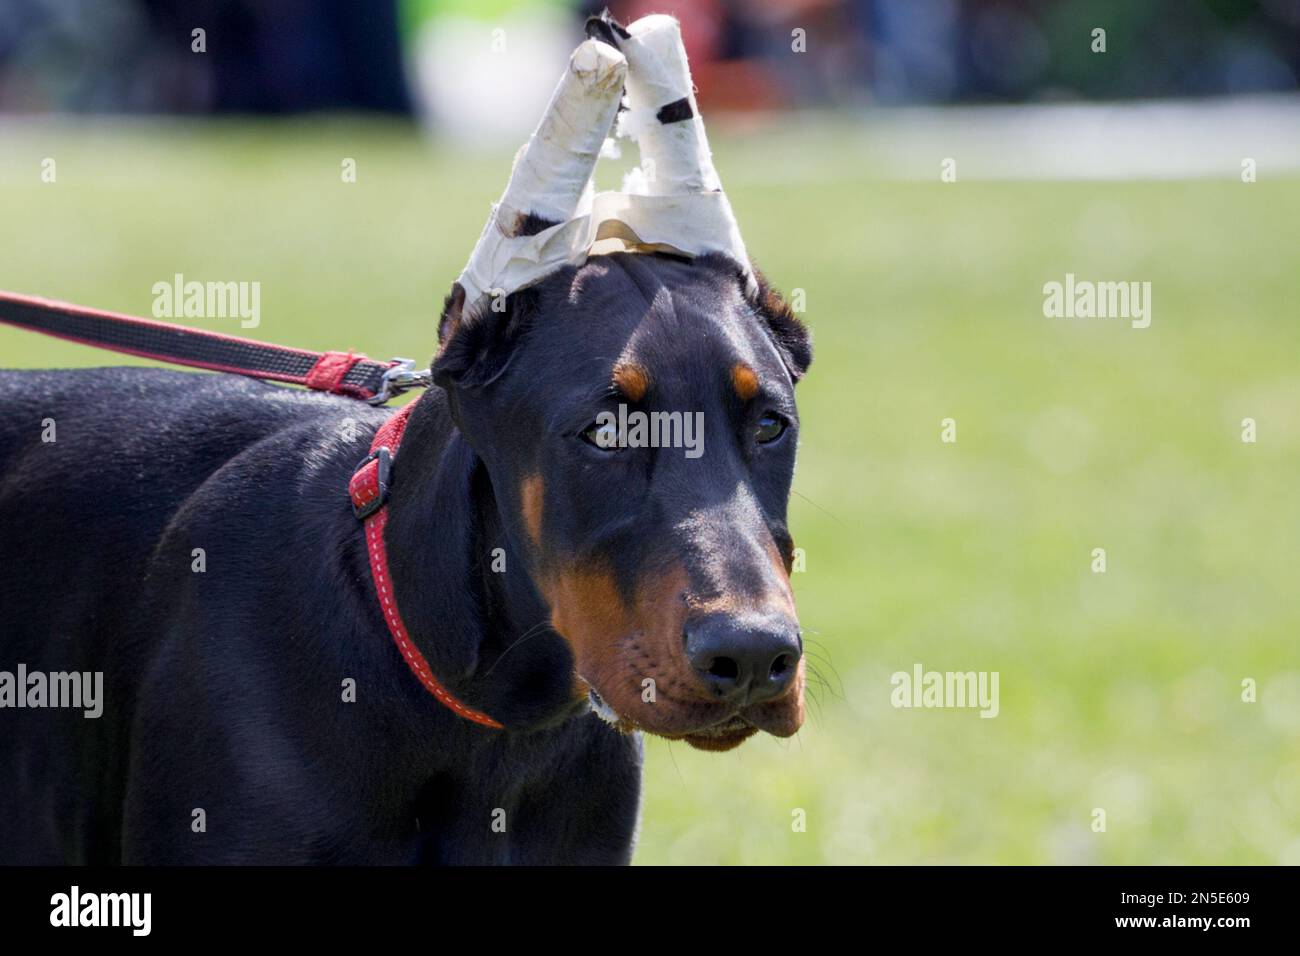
(402, 377)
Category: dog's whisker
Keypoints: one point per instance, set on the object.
(534, 631)
(817, 506)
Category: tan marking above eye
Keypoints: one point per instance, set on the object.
(744, 380)
(632, 380)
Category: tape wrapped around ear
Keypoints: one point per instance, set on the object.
(550, 182)
(662, 115)
(549, 216)
(552, 172)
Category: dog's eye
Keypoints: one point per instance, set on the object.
(770, 427)
(604, 435)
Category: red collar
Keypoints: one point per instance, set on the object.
(369, 490)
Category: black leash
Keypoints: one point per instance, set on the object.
(341, 373)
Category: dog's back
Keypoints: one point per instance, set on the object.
(94, 465)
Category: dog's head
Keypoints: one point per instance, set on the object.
(635, 410)
(636, 416)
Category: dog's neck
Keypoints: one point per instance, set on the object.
(462, 589)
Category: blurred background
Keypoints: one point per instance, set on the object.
(135, 56)
(144, 138)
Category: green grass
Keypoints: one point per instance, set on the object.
(1119, 691)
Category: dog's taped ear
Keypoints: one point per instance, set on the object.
(478, 342)
(489, 307)
(791, 337)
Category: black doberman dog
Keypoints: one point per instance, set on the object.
(190, 537)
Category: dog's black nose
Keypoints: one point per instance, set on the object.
(744, 660)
